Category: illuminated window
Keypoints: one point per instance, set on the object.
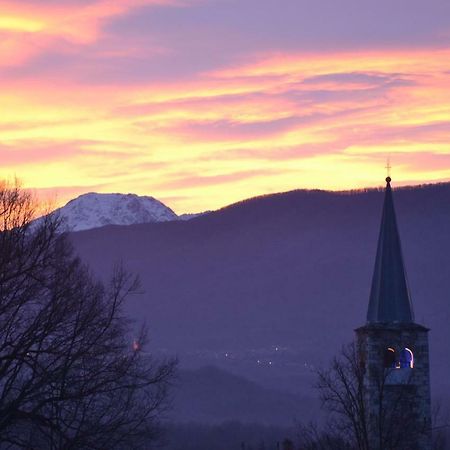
(406, 359)
(389, 358)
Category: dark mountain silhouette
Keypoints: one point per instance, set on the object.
(274, 285)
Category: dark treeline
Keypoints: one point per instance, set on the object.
(234, 435)
(227, 436)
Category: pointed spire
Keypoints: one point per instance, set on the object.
(389, 297)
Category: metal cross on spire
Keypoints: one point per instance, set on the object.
(388, 167)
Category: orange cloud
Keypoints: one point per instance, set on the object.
(30, 28)
(278, 122)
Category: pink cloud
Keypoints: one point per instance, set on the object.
(187, 179)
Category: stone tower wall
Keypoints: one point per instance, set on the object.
(405, 392)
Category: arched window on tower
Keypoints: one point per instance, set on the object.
(389, 358)
(406, 359)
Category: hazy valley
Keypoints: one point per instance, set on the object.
(271, 287)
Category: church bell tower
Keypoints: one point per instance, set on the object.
(393, 351)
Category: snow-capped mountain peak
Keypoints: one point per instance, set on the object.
(94, 210)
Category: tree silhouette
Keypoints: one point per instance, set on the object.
(350, 425)
(69, 377)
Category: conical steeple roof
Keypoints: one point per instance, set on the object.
(389, 297)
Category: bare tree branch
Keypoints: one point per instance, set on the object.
(69, 377)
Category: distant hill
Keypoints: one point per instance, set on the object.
(290, 271)
(212, 396)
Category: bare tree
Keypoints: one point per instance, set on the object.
(311, 437)
(351, 422)
(69, 377)
(441, 426)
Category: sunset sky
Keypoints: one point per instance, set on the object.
(201, 103)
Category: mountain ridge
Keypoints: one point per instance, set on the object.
(94, 210)
(278, 270)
